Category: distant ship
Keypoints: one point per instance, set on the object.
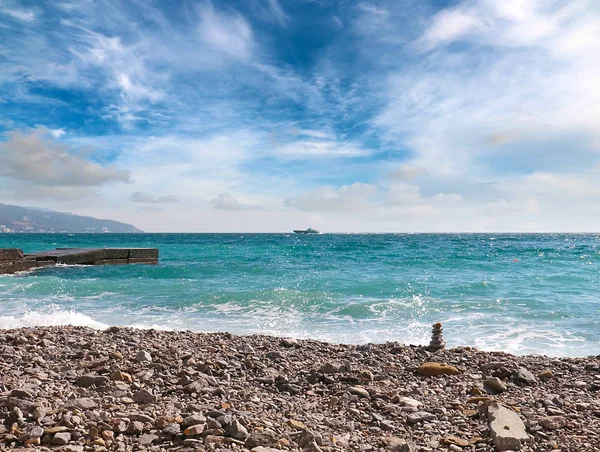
(306, 231)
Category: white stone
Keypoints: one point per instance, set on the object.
(506, 428)
(143, 357)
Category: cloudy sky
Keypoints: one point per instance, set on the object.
(270, 115)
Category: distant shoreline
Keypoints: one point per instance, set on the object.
(303, 235)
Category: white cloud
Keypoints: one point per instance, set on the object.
(146, 198)
(406, 172)
(459, 112)
(277, 11)
(449, 25)
(404, 194)
(227, 202)
(17, 13)
(517, 207)
(37, 158)
(448, 199)
(228, 32)
(34, 165)
(307, 149)
(498, 132)
(57, 133)
(373, 9)
(126, 67)
(353, 197)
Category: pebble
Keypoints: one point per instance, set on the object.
(432, 369)
(420, 416)
(172, 429)
(146, 439)
(21, 394)
(329, 368)
(194, 419)
(144, 396)
(73, 448)
(495, 384)
(143, 357)
(525, 376)
(553, 422)
(60, 439)
(361, 392)
(219, 392)
(83, 403)
(194, 430)
(237, 430)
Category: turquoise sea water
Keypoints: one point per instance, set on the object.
(521, 293)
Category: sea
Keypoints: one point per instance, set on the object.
(518, 293)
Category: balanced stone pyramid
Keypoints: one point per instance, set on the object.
(437, 341)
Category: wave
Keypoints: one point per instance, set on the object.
(54, 317)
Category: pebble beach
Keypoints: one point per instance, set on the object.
(77, 389)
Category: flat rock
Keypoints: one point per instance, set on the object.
(83, 403)
(21, 393)
(329, 368)
(72, 448)
(10, 254)
(408, 401)
(57, 429)
(194, 430)
(432, 369)
(141, 417)
(85, 381)
(143, 357)
(146, 439)
(264, 438)
(525, 376)
(194, 419)
(144, 396)
(507, 430)
(361, 392)
(420, 416)
(172, 429)
(454, 440)
(62, 438)
(553, 422)
(237, 430)
(495, 384)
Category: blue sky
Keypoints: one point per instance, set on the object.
(269, 115)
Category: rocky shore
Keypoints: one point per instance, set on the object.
(77, 389)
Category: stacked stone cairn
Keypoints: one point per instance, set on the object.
(437, 341)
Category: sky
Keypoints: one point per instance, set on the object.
(273, 115)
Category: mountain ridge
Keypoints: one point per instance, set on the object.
(28, 219)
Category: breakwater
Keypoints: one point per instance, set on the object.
(13, 260)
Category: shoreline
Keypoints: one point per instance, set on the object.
(72, 318)
(77, 389)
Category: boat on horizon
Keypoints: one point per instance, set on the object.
(306, 231)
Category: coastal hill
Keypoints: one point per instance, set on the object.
(27, 219)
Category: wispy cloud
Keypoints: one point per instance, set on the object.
(390, 114)
(278, 11)
(227, 32)
(13, 10)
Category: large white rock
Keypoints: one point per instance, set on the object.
(506, 428)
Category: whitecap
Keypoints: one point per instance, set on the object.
(54, 317)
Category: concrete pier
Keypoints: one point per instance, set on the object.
(13, 260)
